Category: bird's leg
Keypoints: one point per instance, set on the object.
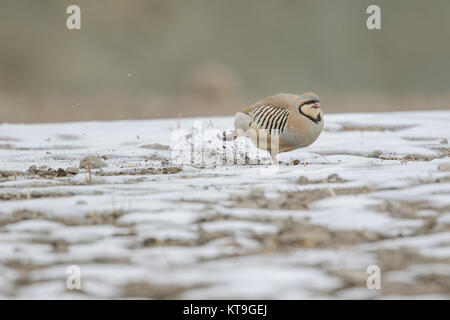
(274, 158)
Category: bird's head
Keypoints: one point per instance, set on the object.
(309, 106)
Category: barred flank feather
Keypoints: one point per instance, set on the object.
(270, 118)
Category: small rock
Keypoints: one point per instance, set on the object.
(235, 197)
(444, 141)
(72, 170)
(333, 178)
(444, 167)
(155, 146)
(303, 180)
(32, 169)
(149, 242)
(42, 167)
(61, 172)
(256, 193)
(375, 154)
(173, 169)
(59, 246)
(95, 163)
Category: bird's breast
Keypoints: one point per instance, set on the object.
(301, 132)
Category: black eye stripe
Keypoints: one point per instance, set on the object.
(310, 101)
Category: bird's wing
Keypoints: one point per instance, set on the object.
(270, 113)
(269, 117)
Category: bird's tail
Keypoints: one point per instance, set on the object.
(242, 121)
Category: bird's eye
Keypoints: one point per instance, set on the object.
(310, 102)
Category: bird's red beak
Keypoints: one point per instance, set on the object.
(316, 105)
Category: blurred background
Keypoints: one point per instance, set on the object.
(139, 59)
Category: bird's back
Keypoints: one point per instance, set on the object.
(280, 100)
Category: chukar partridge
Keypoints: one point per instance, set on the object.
(282, 122)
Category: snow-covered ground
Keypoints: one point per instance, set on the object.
(374, 189)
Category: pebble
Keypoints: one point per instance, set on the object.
(95, 163)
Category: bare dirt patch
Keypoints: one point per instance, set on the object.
(148, 290)
(333, 178)
(298, 200)
(294, 235)
(36, 195)
(408, 209)
(140, 171)
(155, 146)
(92, 218)
(349, 127)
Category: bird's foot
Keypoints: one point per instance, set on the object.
(275, 159)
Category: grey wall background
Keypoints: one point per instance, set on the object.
(156, 58)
